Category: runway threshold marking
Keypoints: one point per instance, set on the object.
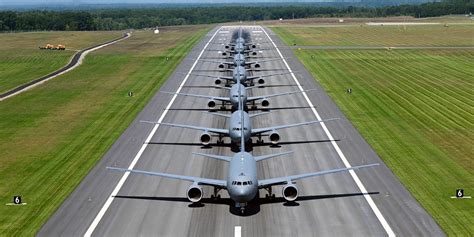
(238, 231)
(117, 188)
(354, 176)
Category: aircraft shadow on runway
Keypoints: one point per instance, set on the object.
(262, 86)
(253, 206)
(236, 149)
(249, 109)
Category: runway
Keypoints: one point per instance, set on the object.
(332, 205)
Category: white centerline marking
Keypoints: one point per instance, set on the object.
(361, 186)
(109, 201)
(238, 231)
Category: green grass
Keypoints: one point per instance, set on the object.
(388, 36)
(414, 107)
(21, 61)
(51, 136)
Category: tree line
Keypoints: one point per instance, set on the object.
(137, 18)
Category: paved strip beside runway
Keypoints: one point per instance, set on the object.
(75, 61)
(328, 205)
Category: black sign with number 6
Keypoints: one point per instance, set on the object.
(459, 193)
(17, 200)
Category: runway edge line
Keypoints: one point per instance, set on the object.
(354, 176)
(117, 188)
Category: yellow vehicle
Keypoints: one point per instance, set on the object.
(48, 46)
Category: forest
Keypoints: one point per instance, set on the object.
(137, 18)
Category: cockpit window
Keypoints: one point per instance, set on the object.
(239, 183)
(245, 183)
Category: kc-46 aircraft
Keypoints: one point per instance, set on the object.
(240, 126)
(239, 75)
(240, 60)
(234, 98)
(242, 183)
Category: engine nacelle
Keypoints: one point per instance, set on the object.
(265, 103)
(227, 46)
(224, 53)
(261, 81)
(221, 65)
(254, 53)
(290, 192)
(211, 104)
(253, 46)
(217, 81)
(274, 137)
(205, 138)
(257, 65)
(194, 193)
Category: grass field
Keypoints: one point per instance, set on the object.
(414, 107)
(21, 60)
(356, 35)
(51, 136)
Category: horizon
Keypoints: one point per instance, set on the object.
(154, 2)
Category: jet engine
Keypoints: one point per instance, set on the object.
(211, 104)
(224, 53)
(205, 138)
(254, 53)
(257, 65)
(221, 65)
(227, 46)
(290, 192)
(194, 193)
(261, 81)
(253, 46)
(274, 137)
(265, 103)
(217, 81)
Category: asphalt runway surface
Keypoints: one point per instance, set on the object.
(331, 205)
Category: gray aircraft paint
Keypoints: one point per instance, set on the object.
(242, 183)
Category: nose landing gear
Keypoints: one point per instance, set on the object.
(242, 207)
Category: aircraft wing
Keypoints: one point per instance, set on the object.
(198, 180)
(263, 61)
(291, 178)
(200, 96)
(269, 75)
(214, 61)
(213, 130)
(257, 131)
(253, 98)
(203, 75)
(211, 76)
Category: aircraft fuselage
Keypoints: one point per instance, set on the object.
(242, 182)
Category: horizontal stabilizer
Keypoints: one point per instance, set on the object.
(264, 157)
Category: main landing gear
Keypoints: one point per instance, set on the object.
(216, 196)
(270, 194)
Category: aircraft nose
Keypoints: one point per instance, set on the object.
(240, 195)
